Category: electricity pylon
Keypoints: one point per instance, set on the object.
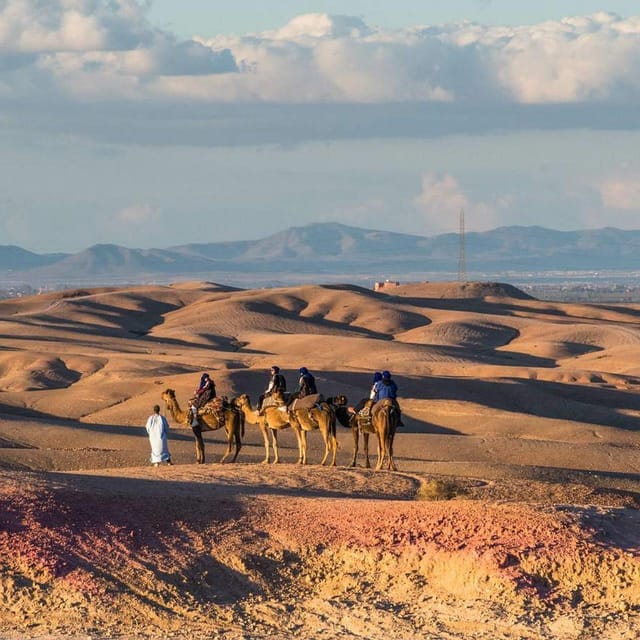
(462, 257)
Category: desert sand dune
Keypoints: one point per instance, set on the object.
(457, 290)
(514, 513)
(464, 332)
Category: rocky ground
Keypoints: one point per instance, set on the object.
(250, 551)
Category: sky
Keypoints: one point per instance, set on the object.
(155, 124)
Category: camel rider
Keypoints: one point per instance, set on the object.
(277, 384)
(206, 391)
(387, 388)
(373, 394)
(306, 383)
(364, 405)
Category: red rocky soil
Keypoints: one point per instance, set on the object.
(252, 551)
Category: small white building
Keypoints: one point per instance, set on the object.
(387, 284)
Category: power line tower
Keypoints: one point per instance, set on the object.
(462, 257)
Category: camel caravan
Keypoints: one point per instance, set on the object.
(303, 411)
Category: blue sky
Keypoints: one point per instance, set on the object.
(152, 126)
(189, 17)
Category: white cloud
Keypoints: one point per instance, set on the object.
(93, 50)
(342, 59)
(138, 214)
(577, 59)
(103, 48)
(71, 25)
(442, 199)
(622, 193)
(317, 77)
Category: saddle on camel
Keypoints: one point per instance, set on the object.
(215, 407)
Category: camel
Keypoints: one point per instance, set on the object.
(320, 416)
(272, 421)
(233, 425)
(358, 424)
(385, 419)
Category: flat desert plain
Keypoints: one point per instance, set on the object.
(514, 512)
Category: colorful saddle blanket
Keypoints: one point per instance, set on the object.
(215, 407)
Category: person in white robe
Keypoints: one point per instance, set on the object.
(158, 429)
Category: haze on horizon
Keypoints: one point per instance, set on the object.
(150, 126)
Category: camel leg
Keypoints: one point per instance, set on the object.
(298, 431)
(334, 445)
(265, 437)
(232, 430)
(237, 439)
(276, 451)
(365, 442)
(330, 445)
(386, 459)
(333, 440)
(303, 447)
(229, 445)
(325, 437)
(197, 432)
(355, 432)
(380, 451)
(392, 463)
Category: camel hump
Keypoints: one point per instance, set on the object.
(275, 400)
(382, 405)
(215, 405)
(308, 402)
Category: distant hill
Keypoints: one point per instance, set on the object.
(113, 260)
(16, 258)
(332, 249)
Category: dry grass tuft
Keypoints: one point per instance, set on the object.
(440, 489)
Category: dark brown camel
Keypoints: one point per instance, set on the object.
(348, 418)
(233, 425)
(382, 421)
(385, 419)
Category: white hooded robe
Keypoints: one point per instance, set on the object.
(158, 429)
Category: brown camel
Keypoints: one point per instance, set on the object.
(272, 421)
(233, 425)
(359, 425)
(321, 416)
(385, 419)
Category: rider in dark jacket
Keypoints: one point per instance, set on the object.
(369, 402)
(306, 383)
(206, 391)
(277, 384)
(387, 388)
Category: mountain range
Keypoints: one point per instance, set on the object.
(332, 250)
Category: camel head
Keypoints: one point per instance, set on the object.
(169, 395)
(339, 401)
(243, 400)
